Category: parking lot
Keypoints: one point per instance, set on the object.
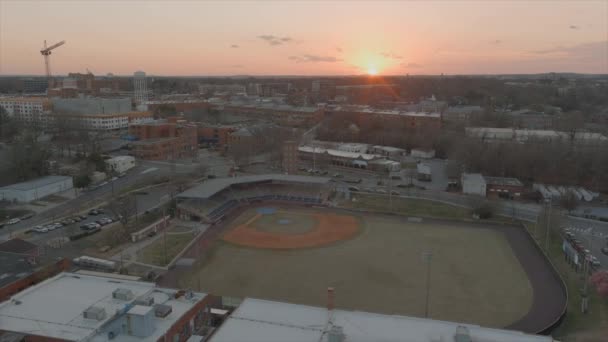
(75, 224)
(590, 238)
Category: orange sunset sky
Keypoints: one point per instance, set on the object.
(305, 37)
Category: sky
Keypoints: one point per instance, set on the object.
(196, 38)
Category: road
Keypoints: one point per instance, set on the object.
(593, 235)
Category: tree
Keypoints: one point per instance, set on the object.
(569, 201)
(123, 208)
(82, 181)
(600, 281)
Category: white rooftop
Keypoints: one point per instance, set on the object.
(54, 308)
(36, 183)
(267, 321)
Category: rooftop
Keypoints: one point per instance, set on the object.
(268, 321)
(473, 177)
(36, 183)
(16, 266)
(54, 308)
(17, 246)
(370, 110)
(210, 187)
(503, 181)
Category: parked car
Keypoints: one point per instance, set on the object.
(13, 221)
(94, 212)
(605, 250)
(76, 219)
(39, 229)
(26, 216)
(83, 217)
(395, 192)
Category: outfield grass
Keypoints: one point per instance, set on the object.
(408, 206)
(164, 249)
(475, 276)
(576, 324)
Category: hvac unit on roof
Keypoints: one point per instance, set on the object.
(122, 294)
(162, 310)
(144, 300)
(94, 312)
(462, 334)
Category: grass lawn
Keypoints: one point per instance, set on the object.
(7, 214)
(576, 324)
(475, 276)
(408, 206)
(164, 249)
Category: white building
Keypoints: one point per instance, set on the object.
(81, 307)
(26, 108)
(35, 189)
(268, 321)
(140, 86)
(121, 164)
(473, 184)
(423, 153)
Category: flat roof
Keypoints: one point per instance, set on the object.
(473, 177)
(503, 181)
(268, 321)
(54, 308)
(16, 266)
(36, 183)
(212, 186)
(17, 246)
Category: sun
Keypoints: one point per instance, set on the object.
(372, 71)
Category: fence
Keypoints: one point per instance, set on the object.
(154, 227)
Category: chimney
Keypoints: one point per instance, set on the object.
(330, 298)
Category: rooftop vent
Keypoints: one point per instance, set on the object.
(94, 312)
(462, 334)
(122, 294)
(335, 334)
(145, 300)
(162, 310)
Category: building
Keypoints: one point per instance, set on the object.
(19, 246)
(390, 152)
(461, 113)
(140, 87)
(290, 157)
(216, 135)
(423, 172)
(120, 164)
(26, 109)
(92, 105)
(503, 187)
(82, 307)
(282, 114)
(179, 106)
(269, 321)
(473, 184)
(321, 157)
(164, 141)
(36, 85)
(35, 189)
(423, 153)
(20, 271)
(366, 117)
(491, 135)
(366, 94)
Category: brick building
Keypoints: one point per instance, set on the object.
(366, 117)
(290, 157)
(164, 141)
(20, 271)
(217, 135)
(281, 114)
(82, 307)
(504, 187)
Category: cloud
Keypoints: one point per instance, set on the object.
(391, 55)
(411, 65)
(234, 46)
(275, 40)
(574, 27)
(306, 58)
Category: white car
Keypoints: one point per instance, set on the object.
(13, 221)
(39, 229)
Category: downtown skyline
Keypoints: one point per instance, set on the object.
(192, 38)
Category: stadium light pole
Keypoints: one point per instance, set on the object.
(548, 227)
(428, 257)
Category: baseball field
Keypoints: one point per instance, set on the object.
(378, 263)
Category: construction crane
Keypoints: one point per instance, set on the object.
(46, 52)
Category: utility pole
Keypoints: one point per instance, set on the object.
(428, 257)
(548, 227)
(587, 269)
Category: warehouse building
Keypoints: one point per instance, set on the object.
(35, 189)
(269, 321)
(504, 187)
(81, 307)
(473, 184)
